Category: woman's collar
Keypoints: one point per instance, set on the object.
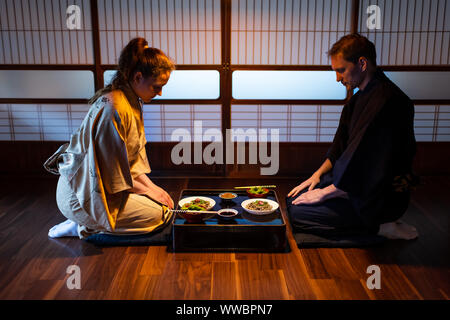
(132, 97)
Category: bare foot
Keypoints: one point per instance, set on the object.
(398, 230)
(67, 228)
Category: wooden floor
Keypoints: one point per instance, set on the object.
(33, 266)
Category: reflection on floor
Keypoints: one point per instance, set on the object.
(33, 266)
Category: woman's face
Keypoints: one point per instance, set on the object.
(148, 88)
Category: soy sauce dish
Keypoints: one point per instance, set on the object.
(227, 213)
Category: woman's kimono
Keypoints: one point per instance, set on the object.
(97, 169)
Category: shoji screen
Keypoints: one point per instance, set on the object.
(298, 33)
(35, 32)
(189, 31)
(44, 122)
(413, 32)
(289, 33)
(311, 123)
(296, 123)
(292, 32)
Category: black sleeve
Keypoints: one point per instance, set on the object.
(386, 148)
(404, 138)
(340, 138)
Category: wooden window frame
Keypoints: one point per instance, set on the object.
(225, 70)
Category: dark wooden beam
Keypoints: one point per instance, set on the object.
(226, 72)
(354, 16)
(96, 45)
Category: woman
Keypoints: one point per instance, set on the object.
(103, 186)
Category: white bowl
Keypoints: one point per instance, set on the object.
(182, 202)
(274, 205)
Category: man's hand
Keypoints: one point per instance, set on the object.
(311, 197)
(311, 183)
(319, 195)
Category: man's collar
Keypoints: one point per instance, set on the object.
(376, 77)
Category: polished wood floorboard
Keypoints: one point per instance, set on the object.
(33, 266)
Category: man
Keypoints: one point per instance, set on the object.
(363, 185)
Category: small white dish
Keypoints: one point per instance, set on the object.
(272, 203)
(232, 213)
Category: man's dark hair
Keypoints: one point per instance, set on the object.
(353, 46)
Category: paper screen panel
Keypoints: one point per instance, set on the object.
(35, 32)
(42, 122)
(422, 84)
(271, 84)
(318, 123)
(297, 123)
(56, 122)
(186, 30)
(287, 32)
(162, 120)
(69, 84)
(185, 84)
(413, 32)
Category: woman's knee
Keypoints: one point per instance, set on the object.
(139, 210)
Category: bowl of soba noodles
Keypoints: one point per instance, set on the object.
(259, 206)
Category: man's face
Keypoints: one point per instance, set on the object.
(348, 73)
(148, 88)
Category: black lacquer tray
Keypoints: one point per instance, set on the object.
(244, 233)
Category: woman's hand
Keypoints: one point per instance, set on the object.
(143, 184)
(162, 196)
(311, 183)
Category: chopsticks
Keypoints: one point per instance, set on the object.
(192, 211)
(247, 187)
(180, 211)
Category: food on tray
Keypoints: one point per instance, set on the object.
(197, 205)
(227, 213)
(228, 195)
(258, 190)
(259, 205)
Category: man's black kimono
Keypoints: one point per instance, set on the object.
(372, 155)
